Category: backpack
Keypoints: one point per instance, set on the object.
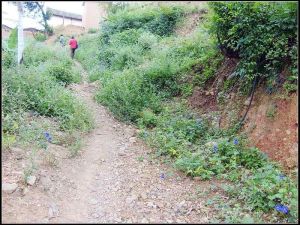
(76, 45)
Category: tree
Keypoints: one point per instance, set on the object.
(20, 32)
(37, 8)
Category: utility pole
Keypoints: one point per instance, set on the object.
(20, 33)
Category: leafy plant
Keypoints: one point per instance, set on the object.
(40, 37)
(261, 34)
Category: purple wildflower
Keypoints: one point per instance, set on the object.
(281, 177)
(215, 149)
(48, 136)
(235, 141)
(282, 208)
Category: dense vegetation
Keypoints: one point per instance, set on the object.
(36, 90)
(145, 72)
(264, 37)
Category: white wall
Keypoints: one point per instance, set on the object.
(57, 21)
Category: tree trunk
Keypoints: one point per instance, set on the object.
(20, 33)
(44, 17)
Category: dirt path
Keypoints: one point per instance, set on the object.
(113, 179)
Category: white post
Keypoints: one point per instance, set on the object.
(20, 32)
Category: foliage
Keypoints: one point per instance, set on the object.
(262, 34)
(87, 54)
(37, 8)
(158, 20)
(127, 95)
(40, 37)
(13, 38)
(36, 53)
(200, 149)
(63, 72)
(92, 30)
(35, 87)
(142, 67)
(8, 56)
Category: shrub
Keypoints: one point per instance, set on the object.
(13, 38)
(147, 119)
(92, 30)
(87, 54)
(126, 96)
(28, 89)
(62, 72)
(8, 56)
(40, 37)
(158, 20)
(261, 34)
(36, 53)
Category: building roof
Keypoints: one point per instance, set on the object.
(27, 23)
(56, 12)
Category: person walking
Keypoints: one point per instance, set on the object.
(62, 40)
(73, 46)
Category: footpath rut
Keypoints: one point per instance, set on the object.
(114, 179)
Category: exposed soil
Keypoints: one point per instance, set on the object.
(271, 123)
(206, 98)
(190, 24)
(114, 179)
(272, 126)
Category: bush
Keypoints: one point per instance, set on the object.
(261, 34)
(62, 72)
(9, 56)
(87, 54)
(36, 53)
(92, 30)
(30, 90)
(158, 20)
(147, 119)
(126, 96)
(13, 38)
(40, 37)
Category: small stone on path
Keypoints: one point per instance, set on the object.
(9, 188)
(31, 180)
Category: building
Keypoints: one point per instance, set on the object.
(59, 18)
(93, 14)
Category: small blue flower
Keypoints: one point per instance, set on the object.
(215, 149)
(48, 136)
(281, 177)
(282, 208)
(235, 141)
(162, 176)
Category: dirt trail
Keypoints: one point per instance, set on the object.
(114, 179)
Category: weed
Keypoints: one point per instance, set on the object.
(271, 111)
(140, 158)
(92, 30)
(75, 146)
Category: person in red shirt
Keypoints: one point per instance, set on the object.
(73, 46)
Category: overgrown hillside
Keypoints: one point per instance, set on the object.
(36, 106)
(147, 74)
